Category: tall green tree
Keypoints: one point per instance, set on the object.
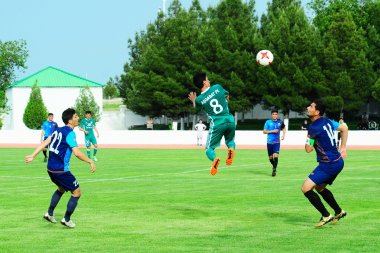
(349, 73)
(230, 42)
(35, 112)
(156, 79)
(358, 70)
(295, 76)
(372, 8)
(86, 102)
(13, 55)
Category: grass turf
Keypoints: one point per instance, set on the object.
(151, 200)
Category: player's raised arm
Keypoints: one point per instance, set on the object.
(192, 96)
(29, 158)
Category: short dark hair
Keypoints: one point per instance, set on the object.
(67, 115)
(199, 78)
(274, 110)
(88, 112)
(320, 106)
(50, 114)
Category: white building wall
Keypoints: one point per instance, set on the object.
(56, 101)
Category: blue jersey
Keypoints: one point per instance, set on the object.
(48, 127)
(62, 141)
(322, 131)
(271, 125)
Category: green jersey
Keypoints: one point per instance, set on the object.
(88, 125)
(214, 102)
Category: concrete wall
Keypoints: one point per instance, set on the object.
(56, 101)
(157, 137)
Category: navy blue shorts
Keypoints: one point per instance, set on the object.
(273, 148)
(325, 173)
(65, 180)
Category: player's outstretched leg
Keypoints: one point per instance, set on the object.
(71, 205)
(214, 166)
(230, 156)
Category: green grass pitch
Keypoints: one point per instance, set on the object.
(164, 200)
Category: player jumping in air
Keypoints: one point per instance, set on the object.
(321, 137)
(213, 100)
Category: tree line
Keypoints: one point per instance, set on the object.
(334, 54)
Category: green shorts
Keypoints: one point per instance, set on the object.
(88, 139)
(216, 133)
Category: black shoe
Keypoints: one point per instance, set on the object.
(274, 172)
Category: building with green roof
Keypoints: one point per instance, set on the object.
(59, 90)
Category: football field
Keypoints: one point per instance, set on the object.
(164, 200)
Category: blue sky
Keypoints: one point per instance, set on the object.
(84, 37)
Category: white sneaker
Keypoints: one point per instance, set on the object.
(324, 220)
(95, 159)
(49, 218)
(69, 223)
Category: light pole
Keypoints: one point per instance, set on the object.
(163, 7)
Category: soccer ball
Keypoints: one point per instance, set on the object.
(264, 57)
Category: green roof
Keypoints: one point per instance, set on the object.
(53, 77)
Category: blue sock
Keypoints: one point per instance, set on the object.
(54, 201)
(71, 205)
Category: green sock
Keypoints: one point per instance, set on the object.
(95, 151)
(89, 153)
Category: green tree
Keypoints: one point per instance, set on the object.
(86, 102)
(230, 43)
(35, 112)
(349, 74)
(372, 7)
(157, 78)
(13, 55)
(295, 76)
(111, 90)
(376, 90)
(351, 31)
